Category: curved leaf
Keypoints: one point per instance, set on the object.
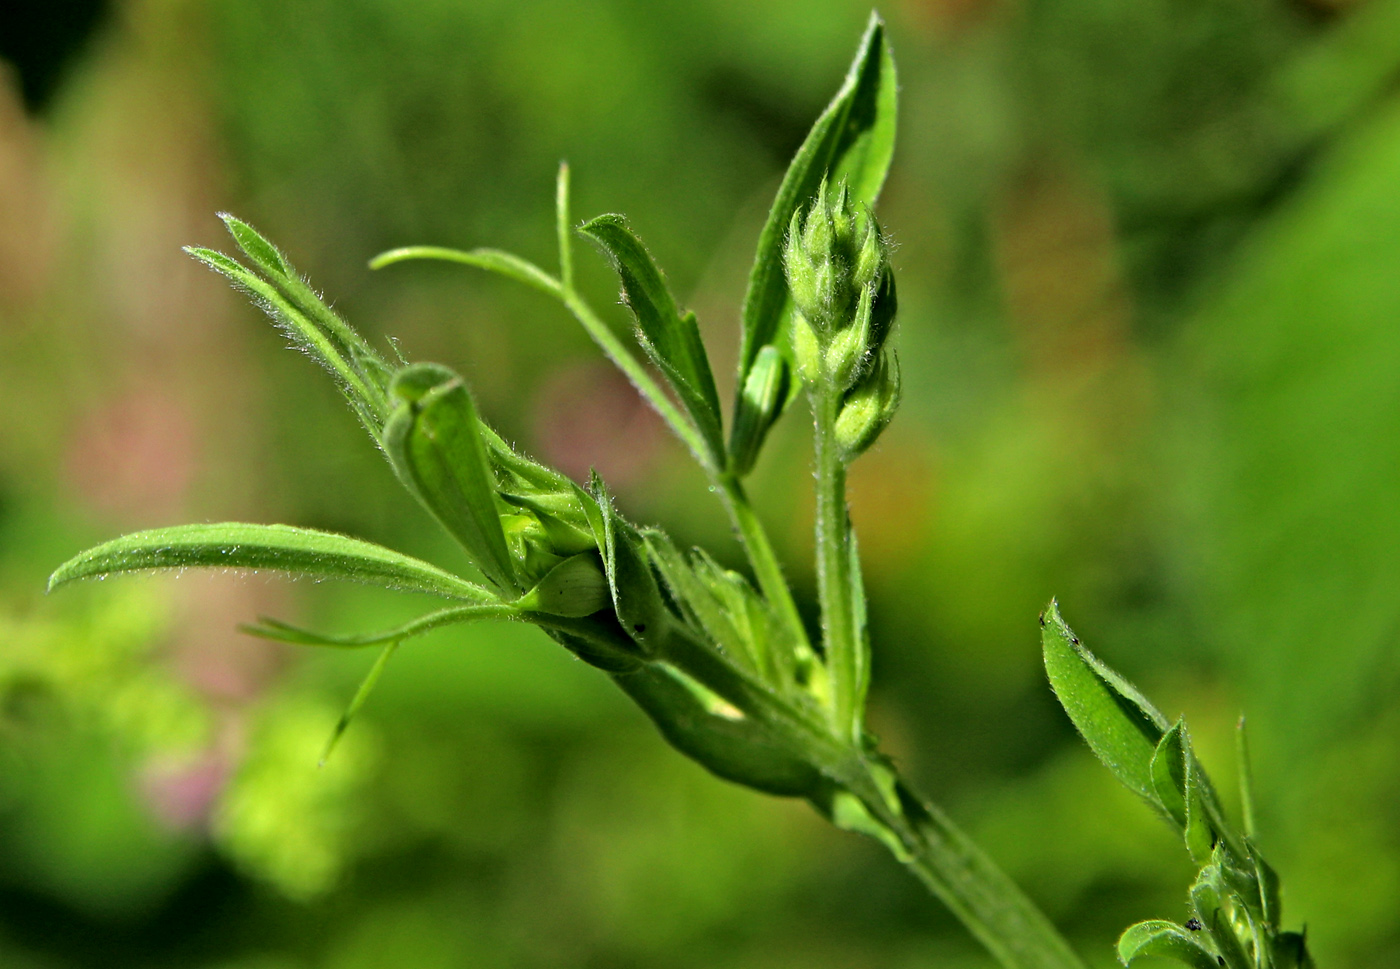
(670, 338)
(279, 548)
(282, 632)
(1119, 724)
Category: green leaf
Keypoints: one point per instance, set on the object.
(1200, 832)
(279, 548)
(496, 261)
(361, 695)
(765, 395)
(1169, 773)
(433, 440)
(275, 629)
(267, 256)
(1119, 724)
(360, 372)
(1165, 939)
(852, 141)
(671, 339)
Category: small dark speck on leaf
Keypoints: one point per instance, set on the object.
(1220, 959)
(639, 628)
(1042, 618)
(1193, 924)
(1075, 640)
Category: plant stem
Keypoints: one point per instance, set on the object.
(843, 659)
(974, 888)
(762, 558)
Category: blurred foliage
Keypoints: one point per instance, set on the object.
(1147, 264)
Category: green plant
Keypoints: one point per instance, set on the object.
(726, 669)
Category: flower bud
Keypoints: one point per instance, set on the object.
(839, 277)
(574, 588)
(868, 408)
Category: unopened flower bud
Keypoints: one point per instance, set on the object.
(868, 409)
(574, 588)
(834, 253)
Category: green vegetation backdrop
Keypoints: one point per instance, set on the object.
(1149, 260)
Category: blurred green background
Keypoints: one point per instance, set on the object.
(1149, 259)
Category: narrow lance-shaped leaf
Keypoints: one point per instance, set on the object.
(279, 548)
(282, 632)
(368, 365)
(1166, 940)
(365, 397)
(496, 261)
(852, 142)
(765, 395)
(670, 338)
(1119, 724)
(361, 695)
(433, 440)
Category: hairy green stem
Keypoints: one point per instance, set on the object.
(762, 558)
(834, 569)
(975, 889)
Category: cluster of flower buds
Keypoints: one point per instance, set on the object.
(839, 275)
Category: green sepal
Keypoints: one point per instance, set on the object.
(1165, 939)
(1119, 724)
(1208, 899)
(277, 548)
(636, 597)
(433, 441)
(851, 142)
(764, 397)
(670, 338)
(1200, 831)
(576, 587)
(564, 523)
(718, 737)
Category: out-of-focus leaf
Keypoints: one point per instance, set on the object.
(851, 142)
(433, 440)
(279, 548)
(1165, 939)
(670, 338)
(275, 629)
(361, 695)
(1119, 724)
